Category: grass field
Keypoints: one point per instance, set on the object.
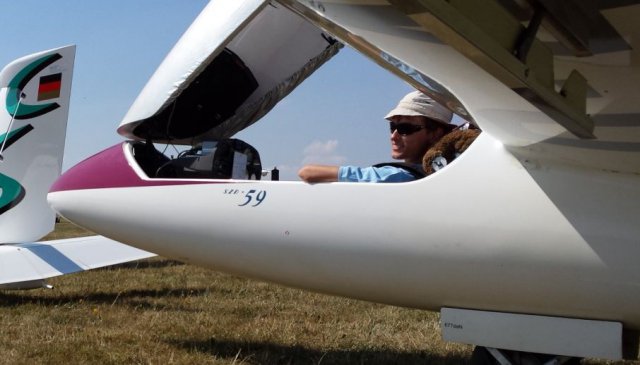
(160, 311)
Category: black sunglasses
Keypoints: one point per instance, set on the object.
(405, 129)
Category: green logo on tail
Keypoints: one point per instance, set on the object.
(11, 193)
(17, 84)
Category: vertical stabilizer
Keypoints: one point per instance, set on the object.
(34, 107)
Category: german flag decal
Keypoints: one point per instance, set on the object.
(49, 87)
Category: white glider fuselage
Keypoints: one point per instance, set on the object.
(530, 219)
(516, 237)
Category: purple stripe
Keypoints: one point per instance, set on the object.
(110, 169)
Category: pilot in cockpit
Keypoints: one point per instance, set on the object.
(416, 124)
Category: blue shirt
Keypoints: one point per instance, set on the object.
(374, 174)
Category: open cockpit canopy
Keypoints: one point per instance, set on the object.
(235, 62)
(239, 59)
(562, 76)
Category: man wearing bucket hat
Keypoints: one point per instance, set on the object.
(416, 124)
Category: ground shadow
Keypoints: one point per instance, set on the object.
(270, 353)
(134, 298)
(143, 264)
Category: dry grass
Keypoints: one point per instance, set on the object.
(160, 311)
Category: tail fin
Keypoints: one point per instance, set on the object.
(34, 106)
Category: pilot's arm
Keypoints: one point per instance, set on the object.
(324, 173)
(318, 173)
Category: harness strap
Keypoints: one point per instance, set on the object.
(410, 168)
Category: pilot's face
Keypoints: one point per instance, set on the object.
(412, 136)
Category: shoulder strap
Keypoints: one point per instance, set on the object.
(410, 168)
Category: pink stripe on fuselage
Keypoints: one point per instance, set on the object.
(110, 169)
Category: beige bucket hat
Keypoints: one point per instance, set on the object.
(417, 103)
